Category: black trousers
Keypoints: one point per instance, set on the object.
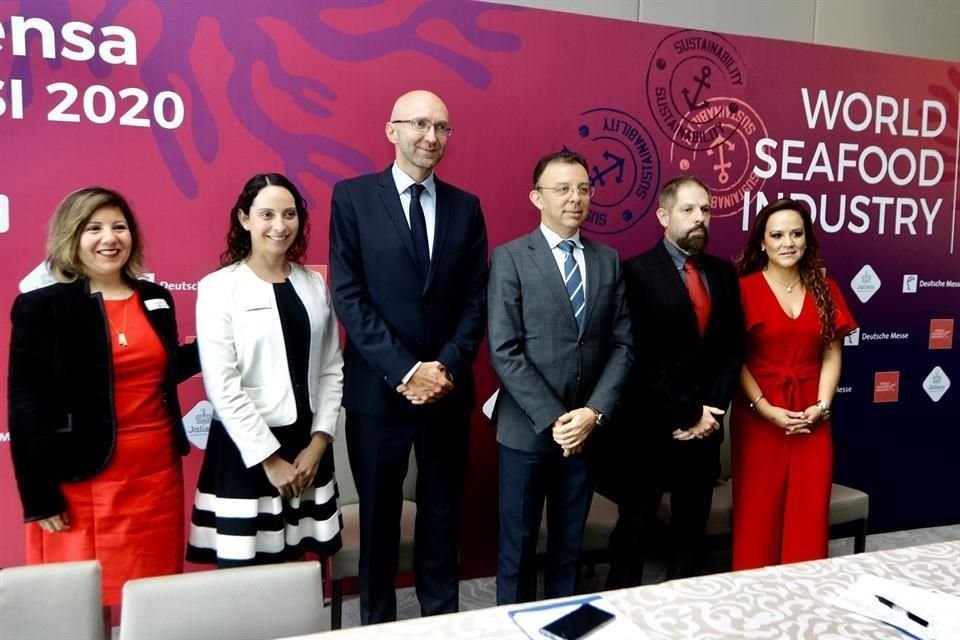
(527, 481)
(689, 470)
(379, 450)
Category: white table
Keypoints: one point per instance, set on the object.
(785, 602)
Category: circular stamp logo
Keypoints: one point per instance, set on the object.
(727, 165)
(624, 168)
(688, 69)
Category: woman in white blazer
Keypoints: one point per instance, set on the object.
(272, 368)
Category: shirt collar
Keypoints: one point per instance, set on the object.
(554, 239)
(403, 181)
(679, 256)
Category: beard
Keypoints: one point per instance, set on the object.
(694, 244)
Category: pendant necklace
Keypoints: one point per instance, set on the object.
(122, 333)
(788, 287)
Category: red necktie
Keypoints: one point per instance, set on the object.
(698, 294)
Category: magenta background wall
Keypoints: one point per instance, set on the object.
(304, 88)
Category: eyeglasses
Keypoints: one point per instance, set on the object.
(563, 190)
(422, 125)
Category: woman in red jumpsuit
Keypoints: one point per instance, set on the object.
(782, 451)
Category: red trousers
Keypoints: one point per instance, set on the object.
(781, 491)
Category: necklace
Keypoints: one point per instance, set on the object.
(788, 287)
(122, 333)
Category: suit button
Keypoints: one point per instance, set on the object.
(581, 343)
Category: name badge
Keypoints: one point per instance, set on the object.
(156, 303)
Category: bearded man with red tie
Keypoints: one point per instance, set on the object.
(688, 335)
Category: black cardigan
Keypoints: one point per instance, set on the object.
(62, 423)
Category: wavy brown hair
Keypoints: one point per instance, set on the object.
(238, 238)
(66, 227)
(753, 259)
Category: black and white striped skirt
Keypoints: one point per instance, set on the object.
(240, 519)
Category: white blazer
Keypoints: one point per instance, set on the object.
(244, 360)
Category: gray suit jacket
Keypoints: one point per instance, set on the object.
(545, 367)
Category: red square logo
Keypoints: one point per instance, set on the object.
(941, 333)
(886, 386)
(319, 268)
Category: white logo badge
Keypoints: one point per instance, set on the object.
(936, 384)
(39, 277)
(196, 424)
(4, 213)
(910, 281)
(865, 283)
(852, 339)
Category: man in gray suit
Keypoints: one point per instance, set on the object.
(560, 341)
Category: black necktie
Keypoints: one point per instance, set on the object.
(418, 230)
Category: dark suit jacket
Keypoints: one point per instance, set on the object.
(545, 367)
(677, 371)
(392, 318)
(62, 421)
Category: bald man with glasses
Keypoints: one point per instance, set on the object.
(408, 266)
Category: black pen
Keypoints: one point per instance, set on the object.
(893, 605)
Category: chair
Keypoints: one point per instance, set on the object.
(56, 600)
(346, 562)
(247, 603)
(848, 507)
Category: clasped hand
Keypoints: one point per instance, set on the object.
(430, 382)
(706, 425)
(292, 478)
(793, 422)
(570, 431)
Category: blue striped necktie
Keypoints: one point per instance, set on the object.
(574, 282)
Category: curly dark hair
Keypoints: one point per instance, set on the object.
(753, 259)
(238, 238)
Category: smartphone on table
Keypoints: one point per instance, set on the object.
(580, 622)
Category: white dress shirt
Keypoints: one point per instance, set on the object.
(428, 200)
(560, 255)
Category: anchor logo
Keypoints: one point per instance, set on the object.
(722, 164)
(623, 166)
(617, 166)
(702, 84)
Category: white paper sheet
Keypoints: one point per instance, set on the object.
(940, 611)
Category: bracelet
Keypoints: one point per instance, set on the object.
(753, 405)
(825, 412)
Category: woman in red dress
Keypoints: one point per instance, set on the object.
(782, 451)
(94, 419)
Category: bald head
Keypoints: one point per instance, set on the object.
(414, 101)
(412, 130)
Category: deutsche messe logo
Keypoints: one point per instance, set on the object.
(624, 168)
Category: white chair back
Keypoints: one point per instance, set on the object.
(56, 600)
(248, 603)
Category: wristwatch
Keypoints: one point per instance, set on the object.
(824, 410)
(601, 419)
